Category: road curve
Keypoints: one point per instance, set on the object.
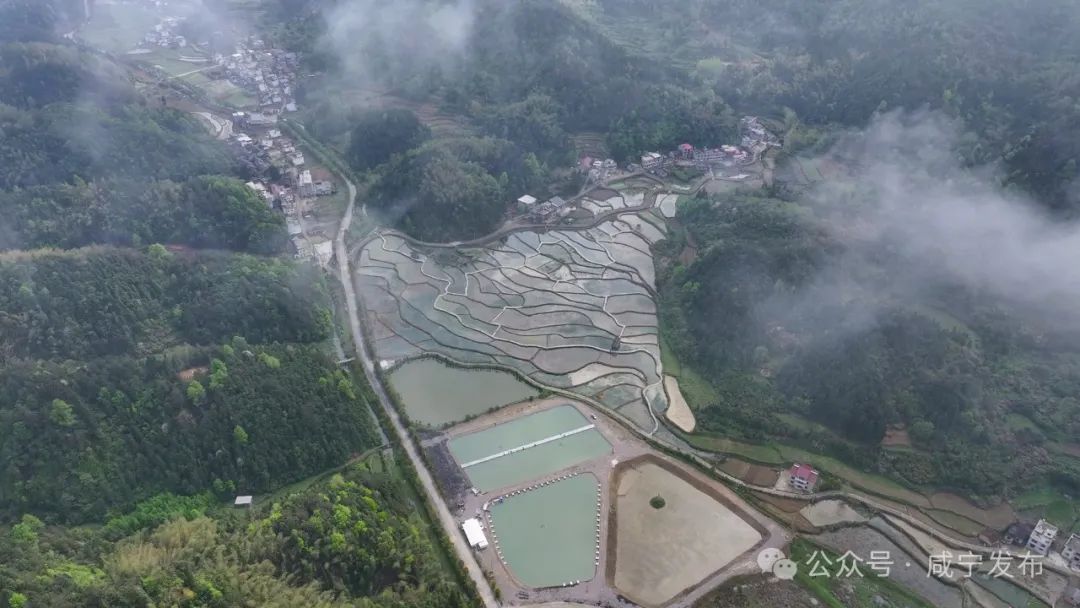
(445, 518)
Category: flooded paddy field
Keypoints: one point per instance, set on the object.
(436, 394)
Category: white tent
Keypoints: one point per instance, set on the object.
(474, 533)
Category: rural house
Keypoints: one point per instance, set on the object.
(803, 477)
(1042, 537)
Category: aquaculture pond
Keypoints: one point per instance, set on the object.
(528, 447)
(547, 536)
(436, 394)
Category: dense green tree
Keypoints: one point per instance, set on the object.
(139, 433)
(454, 189)
(123, 302)
(380, 134)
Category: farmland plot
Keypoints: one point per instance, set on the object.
(569, 309)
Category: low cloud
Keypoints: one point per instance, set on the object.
(926, 223)
(374, 40)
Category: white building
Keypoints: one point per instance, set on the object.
(1071, 551)
(242, 501)
(803, 477)
(651, 160)
(306, 184)
(1042, 537)
(527, 200)
(474, 533)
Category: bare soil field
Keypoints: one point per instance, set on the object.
(661, 552)
(189, 374)
(678, 411)
(754, 474)
(830, 512)
(896, 437)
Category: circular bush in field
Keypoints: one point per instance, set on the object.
(657, 502)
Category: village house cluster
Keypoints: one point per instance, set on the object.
(286, 182)
(552, 209)
(164, 35)
(269, 74)
(755, 140)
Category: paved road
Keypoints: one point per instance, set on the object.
(447, 520)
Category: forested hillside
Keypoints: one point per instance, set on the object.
(523, 76)
(1004, 68)
(786, 313)
(157, 358)
(454, 189)
(85, 159)
(208, 211)
(134, 370)
(98, 302)
(355, 540)
(83, 438)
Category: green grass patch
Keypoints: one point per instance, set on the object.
(698, 391)
(1019, 422)
(1061, 513)
(1048, 503)
(302, 485)
(1068, 450)
(1038, 497)
(765, 454)
(796, 421)
(956, 522)
(668, 360)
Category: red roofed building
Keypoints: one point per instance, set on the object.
(586, 163)
(803, 477)
(686, 151)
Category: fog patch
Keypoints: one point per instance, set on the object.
(372, 39)
(912, 221)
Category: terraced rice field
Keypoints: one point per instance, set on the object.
(528, 448)
(570, 309)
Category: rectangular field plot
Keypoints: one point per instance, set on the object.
(528, 447)
(436, 394)
(547, 536)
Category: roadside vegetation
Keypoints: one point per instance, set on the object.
(354, 539)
